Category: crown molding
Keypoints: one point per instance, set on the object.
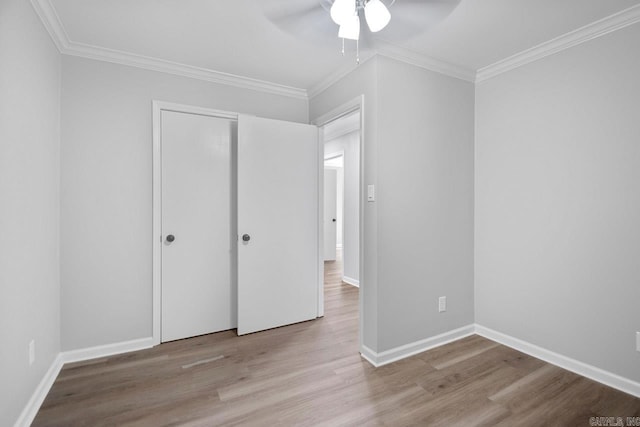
(169, 67)
(337, 75)
(52, 23)
(399, 54)
(583, 34)
(424, 61)
(66, 46)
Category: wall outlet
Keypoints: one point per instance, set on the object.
(442, 304)
(637, 341)
(32, 352)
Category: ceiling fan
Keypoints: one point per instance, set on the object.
(364, 21)
(346, 14)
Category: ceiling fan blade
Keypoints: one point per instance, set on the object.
(308, 20)
(410, 18)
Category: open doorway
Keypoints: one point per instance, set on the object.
(342, 189)
(343, 135)
(333, 204)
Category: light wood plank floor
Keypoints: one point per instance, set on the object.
(311, 374)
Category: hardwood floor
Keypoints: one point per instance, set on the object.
(311, 374)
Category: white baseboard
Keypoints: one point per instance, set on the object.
(350, 281)
(368, 355)
(626, 385)
(30, 411)
(600, 375)
(33, 406)
(106, 350)
(407, 350)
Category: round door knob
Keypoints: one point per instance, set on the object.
(171, 238)
(334, 220)
(246, 237)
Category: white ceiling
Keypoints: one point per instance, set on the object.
(237, 37)
(481, 32)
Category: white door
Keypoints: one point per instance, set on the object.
(197, 295)
(330, 213)
(278, 259)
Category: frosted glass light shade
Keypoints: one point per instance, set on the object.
(342, 10)
(377, 15)
(351, 28)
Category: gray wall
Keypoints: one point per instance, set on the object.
(350, 144)
(362, 81)
(106, 189)
(425, 203)
(29, 207)
(418, 235)
(558, 204)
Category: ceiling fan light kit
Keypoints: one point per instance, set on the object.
(346, 13)
(377, 15)
(350, 28)
(342, 10)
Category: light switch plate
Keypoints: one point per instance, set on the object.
(371, 193)
(442, 304)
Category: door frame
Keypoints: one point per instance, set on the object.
(158, 107)
(355, 104)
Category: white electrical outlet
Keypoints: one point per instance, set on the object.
(637, 341)
(442, 304)
(32, 352)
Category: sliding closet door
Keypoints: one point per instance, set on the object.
(278, 259)
(197, 290)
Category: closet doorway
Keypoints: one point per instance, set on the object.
(237, 229)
